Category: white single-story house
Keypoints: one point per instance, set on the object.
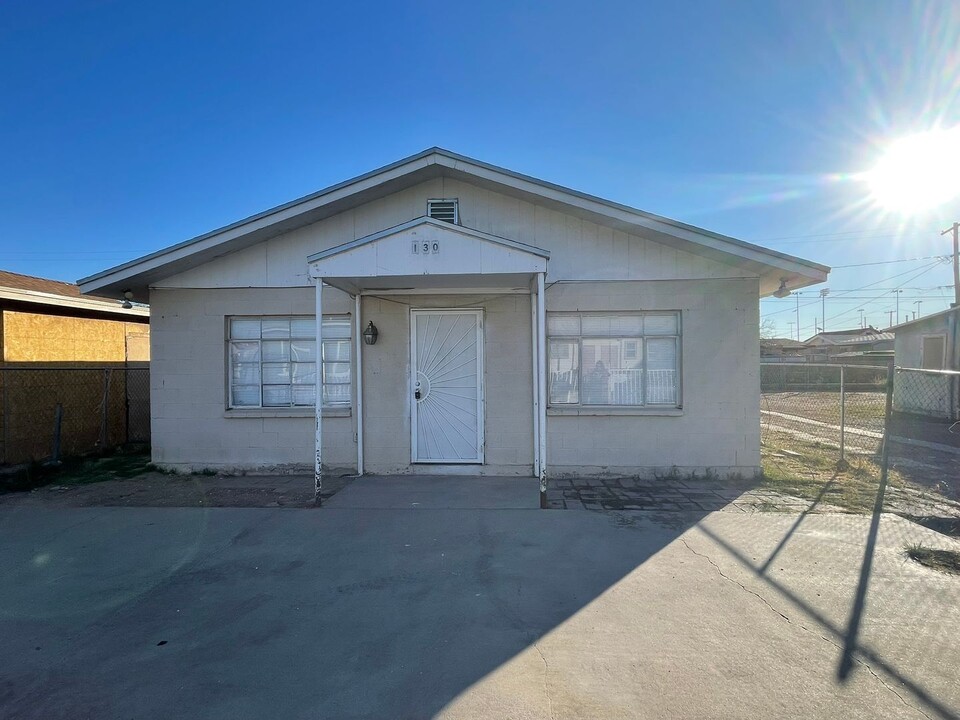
(928, 345)
(474, 321)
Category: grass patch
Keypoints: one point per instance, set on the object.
(118, 465)
(947, 561)
(808, 470)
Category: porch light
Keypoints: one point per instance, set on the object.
(370, 334)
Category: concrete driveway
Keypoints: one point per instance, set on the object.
(358, 611)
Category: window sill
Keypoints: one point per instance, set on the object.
(616, 411)
(297, 412)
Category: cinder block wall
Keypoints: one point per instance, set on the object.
(719, 425)
(191, 428)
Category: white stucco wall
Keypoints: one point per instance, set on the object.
(591, 268)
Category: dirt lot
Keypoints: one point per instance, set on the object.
(864, 410)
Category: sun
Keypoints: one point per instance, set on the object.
(918, 172)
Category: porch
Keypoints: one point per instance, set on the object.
(434, 303)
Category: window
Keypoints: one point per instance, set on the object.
(932, 352)
(623, 359)
(446, 209)
(273, 361)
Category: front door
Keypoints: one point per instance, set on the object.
(447, 386)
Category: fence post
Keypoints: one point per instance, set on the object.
(5, 427)
(104, 409)
(885, 451)
(842, 465)
(57, 425)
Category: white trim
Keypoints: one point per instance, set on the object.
(479, 313)
(300, 411)
(79, 303)
(451, 291)
(420, 222)
(358, 335)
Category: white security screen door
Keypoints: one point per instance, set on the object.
(447, 386)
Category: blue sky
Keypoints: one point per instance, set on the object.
(129, 126)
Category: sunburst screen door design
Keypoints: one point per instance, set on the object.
(446, 357)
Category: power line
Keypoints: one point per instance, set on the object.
(863, 287)
(890, 262)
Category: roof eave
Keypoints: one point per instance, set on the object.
(795, 272)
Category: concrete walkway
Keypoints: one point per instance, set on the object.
(438, 492)
(470, 613)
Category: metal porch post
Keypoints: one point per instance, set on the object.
(542, 385)
(358, 343)
(535, 381)
(318, 400)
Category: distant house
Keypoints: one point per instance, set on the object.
(861, 344)
(781, 350)
(47, 321)
(928, 343)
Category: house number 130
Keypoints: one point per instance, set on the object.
(426, 247)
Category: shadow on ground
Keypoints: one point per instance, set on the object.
(366, 612)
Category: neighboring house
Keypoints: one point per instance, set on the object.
(47, 321)
(928, 343)
(868, 344)
(780, 350)
(522, 328)
(65, 363)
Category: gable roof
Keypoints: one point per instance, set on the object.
(858, 336)
(33, 290)
(773, 267)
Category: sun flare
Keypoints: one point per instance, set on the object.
(918, 172)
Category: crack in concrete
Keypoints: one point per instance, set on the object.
(766, 602)
(546, 679)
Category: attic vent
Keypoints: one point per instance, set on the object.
(446, 209)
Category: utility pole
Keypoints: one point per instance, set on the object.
(898, 303)
(823, 308)
(861, 317)
(798, 316)
(890, 319)
(790, 323)
(956, 261)
(917, 303)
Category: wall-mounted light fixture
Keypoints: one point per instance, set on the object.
(127, 297)
(370, 334)
(782, 291)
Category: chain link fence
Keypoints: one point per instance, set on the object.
(818, 419)
(926, 407)
(50, 413)
(840, 407)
